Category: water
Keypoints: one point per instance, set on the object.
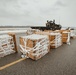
(18, 30)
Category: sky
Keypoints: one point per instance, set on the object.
(37, 12)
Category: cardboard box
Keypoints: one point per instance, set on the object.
(21, 41)
(56, 40)
(44, 33)
(34, 57)
(64, 34)
(66, 37)
(53, 37)
(31, 31)
(65, 30)
(72, 34)
(64, 40)
(37, 44)
(30, 43)
(6, 45)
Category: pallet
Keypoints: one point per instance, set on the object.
(14, 39)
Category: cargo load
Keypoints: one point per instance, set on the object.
(66, 34)
(66, 37)
(54, 38)
(72, 34)
(31, 31)
(34, 46)
(6, 45)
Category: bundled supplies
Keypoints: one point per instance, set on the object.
(34, 46)
(66, 37)
(31, 31)
(56, 40)
(66, 34)
(6, 45)
(72, 34)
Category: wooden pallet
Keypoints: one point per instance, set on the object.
(14, 39)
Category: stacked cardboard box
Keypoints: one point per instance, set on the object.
(61, 31)
(34, 46)
(6, 45)
(31, 31)
(56, 40)
(44, 33)
(72, 34)
(66, 37)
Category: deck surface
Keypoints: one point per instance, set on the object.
(60, 61)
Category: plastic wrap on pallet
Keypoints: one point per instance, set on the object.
(40, 48)
(31, 31)
(66, 38)
(6, 45)
(72, 33)
(56, 40)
